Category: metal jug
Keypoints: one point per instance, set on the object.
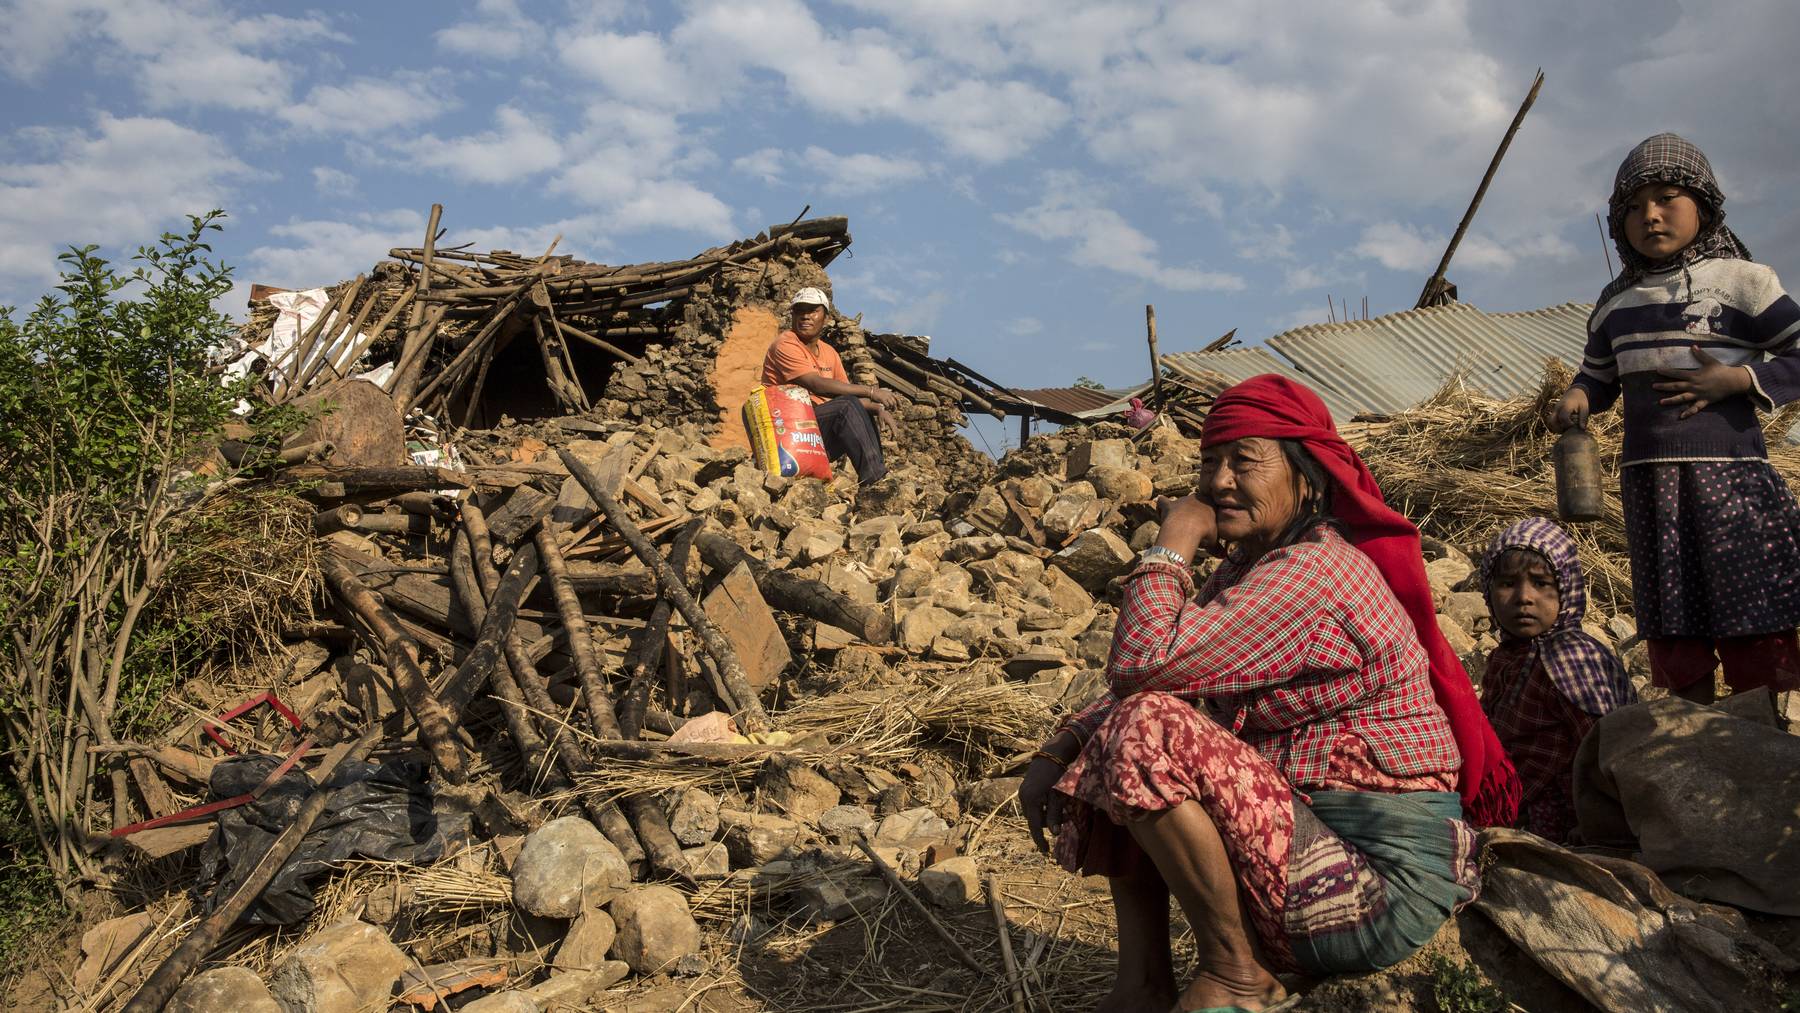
(1579, 493)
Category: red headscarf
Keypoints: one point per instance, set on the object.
(1274, 407)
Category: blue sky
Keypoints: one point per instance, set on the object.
(1021, 178)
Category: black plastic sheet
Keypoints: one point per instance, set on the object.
(382, 812)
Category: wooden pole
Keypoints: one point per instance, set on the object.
(644, 657)
(1433, 290)
(792, 593)
(435, 727)
(751, 714)
(861, 840)
(1155, 358)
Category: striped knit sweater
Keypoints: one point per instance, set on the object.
(1734, 309)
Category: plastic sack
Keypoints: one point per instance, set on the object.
(379, 811)
(784, 435)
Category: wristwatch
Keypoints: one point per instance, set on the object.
(1161, 554)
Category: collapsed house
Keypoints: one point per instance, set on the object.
(593, 712)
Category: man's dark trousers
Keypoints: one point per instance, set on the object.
(849, 431)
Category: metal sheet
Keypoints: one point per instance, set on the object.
(1080, 402)
(1236, 365)
(1391, 363)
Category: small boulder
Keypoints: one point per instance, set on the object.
(756, 838)
(504, 1002)
(1445, 573)
(910, 825)
(1063, 594)
(841, 895)
(655, 928)
(564, 862)
(694, 818)
(1099, 454)
(1093, 558)
(1460, 640)
(1469, 609)
(223, 990)
(952, 882)
(1121, 485)
(707, 860)
(588, 939)
(347, 966)
(1145, 535)
(922, 625)
(796, 789)
(983, 797)
(842, 823)
(571, 990)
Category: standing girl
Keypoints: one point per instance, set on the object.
(1697, 338)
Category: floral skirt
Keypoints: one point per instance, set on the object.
(1317, 901)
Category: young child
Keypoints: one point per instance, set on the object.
(1697, 338)
(1548, 681)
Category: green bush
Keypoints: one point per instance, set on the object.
(106, 410)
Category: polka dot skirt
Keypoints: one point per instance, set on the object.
(1715, 548)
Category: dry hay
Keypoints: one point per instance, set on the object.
(245, 567)
(972, 711)
(1464, 466)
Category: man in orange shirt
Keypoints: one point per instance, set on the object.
(800, 358)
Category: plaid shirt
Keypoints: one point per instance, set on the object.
(1290, 652)
(1541, 731)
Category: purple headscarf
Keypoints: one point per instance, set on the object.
(1584, 670)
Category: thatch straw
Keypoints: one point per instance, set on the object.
(972, 711)
(1464, 466)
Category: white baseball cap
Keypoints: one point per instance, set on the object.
(810, 297)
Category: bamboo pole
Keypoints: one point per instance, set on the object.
(1155, 358)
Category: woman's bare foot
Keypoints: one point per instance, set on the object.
(1252, 989)
(1137, 997)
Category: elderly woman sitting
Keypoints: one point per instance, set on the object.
(1291, 752)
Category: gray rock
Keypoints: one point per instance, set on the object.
(1468, 609)
(347, 966)
(224, 990)
(922, 625)
(694, 819)
(1460, 640)
(841, 823)
(1093, 558)
(756, 838)
(1099, 453)
(841, 895)
(983, 797)
(1143, 536)
(710, 859)
(952, 882)
(1444, 574)
(573, 990)
(589, 938)
(965, 550)
(1076, 506)
(1121, 485)
(563, 862)
(910, 825)
(505, 1002)
(795, 789)
(1063, 594)
(655, 928)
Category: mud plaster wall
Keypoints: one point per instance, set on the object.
(739, 368)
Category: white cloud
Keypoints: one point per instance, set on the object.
(986, 121)
(1026, 326)
(324, 252)
(635, 68)
(1096, 236)
(763, 163)
(195, 53)
(93, 187)
(1398, 246)
(517, 147)
(369, 105)
(333, 181)
(499, 30)
(860, 173)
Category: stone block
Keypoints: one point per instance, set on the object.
(1099, 453)
(565, 864)
(655, 928)
(952, 882)
(1093, 558)
(223, 990)
(737, 608)
(348, 966)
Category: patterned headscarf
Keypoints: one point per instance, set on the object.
(1583, 669)
(1667, 158)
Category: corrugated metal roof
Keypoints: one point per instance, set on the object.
(1080, 402)
(1239, 364)
(1393, 362)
